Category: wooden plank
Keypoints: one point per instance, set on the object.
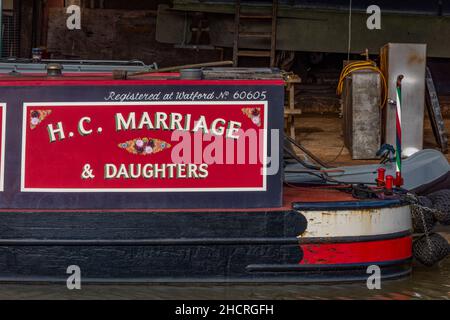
(26, 23)
(236, 33)
(295, 112)
(255, 34)
(253, 53)
(256, 17)
(273, 41)
(229, 75)
(434, 112)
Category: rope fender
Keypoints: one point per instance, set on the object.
(430, 248)
(441, 202)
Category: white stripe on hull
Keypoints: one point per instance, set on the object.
(354, 223)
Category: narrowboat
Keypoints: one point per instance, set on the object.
(159, 178)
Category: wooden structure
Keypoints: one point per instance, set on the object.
(290, 112)
(435, 114)
(322, 25)
(239, 33)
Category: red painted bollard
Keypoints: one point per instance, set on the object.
(389, 184)
(398, 179)
(380, 179)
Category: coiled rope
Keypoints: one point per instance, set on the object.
(359, 66)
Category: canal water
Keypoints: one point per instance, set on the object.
(424, 283)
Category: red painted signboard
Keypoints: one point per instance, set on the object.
(144, 146)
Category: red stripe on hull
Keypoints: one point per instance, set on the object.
(357, 252)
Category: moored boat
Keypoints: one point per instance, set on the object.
(91, 179)
(318, 235)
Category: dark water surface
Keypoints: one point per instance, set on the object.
(424, 283)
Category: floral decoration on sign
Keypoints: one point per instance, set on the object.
(254, 114)
(37, 116)
(144, 146)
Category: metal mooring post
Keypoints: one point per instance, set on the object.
(398, 152)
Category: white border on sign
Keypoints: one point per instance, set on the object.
(189, 103)
(2, 151)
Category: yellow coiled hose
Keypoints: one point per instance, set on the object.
(363, 65)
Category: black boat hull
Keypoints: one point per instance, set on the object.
(167, 247)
